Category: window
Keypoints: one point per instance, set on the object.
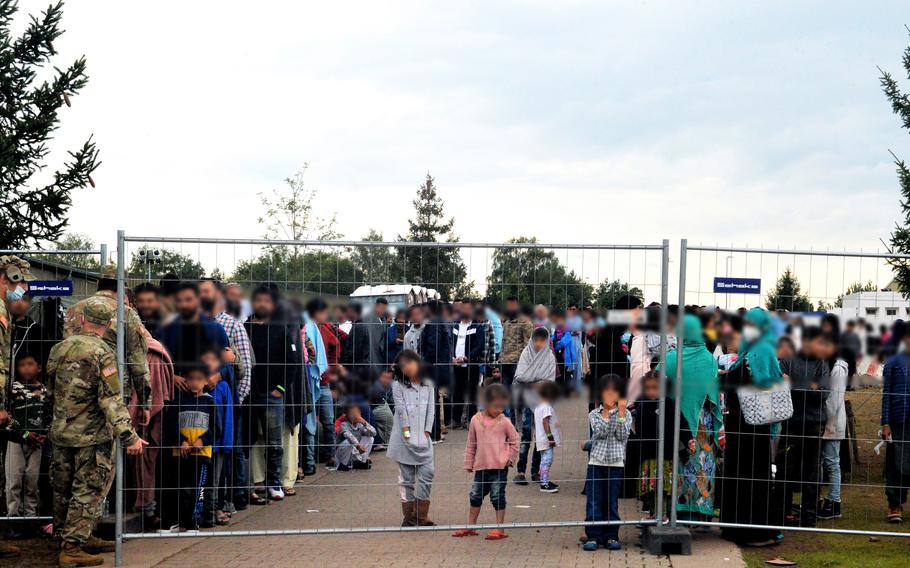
(890, 311)
(871, 311)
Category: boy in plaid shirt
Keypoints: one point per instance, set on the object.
(610, 425)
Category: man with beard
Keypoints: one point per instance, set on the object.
(148, 305)
(278, 360)
(191, 332)
(214, 303)
(516, 332)
(234, 302)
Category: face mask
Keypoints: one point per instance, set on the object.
(751, 333)
(711, 334)
(15, 294)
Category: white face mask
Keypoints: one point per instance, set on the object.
(751, 333)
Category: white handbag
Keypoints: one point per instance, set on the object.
(766, 406)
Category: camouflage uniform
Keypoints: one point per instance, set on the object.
(515, 336)
(88, 415)
(137, 368)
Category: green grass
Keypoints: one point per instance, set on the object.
(863, 506)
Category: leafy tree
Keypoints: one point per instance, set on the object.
(787, 295)
(869, 286)
(34, 211)
(289, 213)
(379, 265)
(316, 270)
(609, 291)
(76, 241)
(183, 265)
(900, 237)
(435, 267)
(534, 275)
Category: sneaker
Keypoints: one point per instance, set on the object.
(535, 478)
(613, 545)
(894, 515)
(829, 510)
(590, 545)
(343, 467)
(520, 479)
(549, 487)
(276, 494)
(310, 470)
(363, 465)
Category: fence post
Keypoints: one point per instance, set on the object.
(121, 371)
(677, 380)
(661, 418)
(103, 255)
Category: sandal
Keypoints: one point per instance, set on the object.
(495, 534)
(257, 500)
(464, 532)
(289, 491)
(222, 518)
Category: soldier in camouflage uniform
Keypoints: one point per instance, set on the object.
(137, 390)
(15, 274)
(89, 414)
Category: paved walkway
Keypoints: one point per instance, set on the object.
(370, 498)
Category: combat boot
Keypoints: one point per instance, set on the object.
(96, 545)
(71, 556)
(8, 550)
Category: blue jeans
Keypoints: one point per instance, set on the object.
(240, 467)
(325, 413)
(490, 482)
(527, 427)
(602, 488)
(268, 419)
(831, 467)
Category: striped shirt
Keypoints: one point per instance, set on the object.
(241, 342)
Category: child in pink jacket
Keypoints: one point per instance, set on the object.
(492, 447)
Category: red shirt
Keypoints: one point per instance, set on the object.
(330, 339)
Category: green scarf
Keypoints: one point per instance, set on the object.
(699, 376)
(761, 355)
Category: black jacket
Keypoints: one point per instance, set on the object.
(277, 356)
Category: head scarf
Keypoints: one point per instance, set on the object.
(534, 366)
(760, 356)
(699, 375)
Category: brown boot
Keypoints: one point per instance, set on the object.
(96, 545)
(71, 556)
(423, 514)
(409, 512)
(8, 550)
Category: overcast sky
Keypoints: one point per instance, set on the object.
(731, 122)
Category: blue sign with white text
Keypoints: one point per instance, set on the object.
(50, 288)
(725, 285)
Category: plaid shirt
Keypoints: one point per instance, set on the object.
(608, 437)
(241, 342)
(489, 346)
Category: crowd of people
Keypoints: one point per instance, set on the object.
(232, 395)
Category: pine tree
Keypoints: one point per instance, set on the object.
(787, 295)
(900, 237)
(32, 211)
(434, 267)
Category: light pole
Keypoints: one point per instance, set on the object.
(727, 264)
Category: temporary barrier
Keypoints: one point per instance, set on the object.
(62, 277)
(297, 396)
(821, 470)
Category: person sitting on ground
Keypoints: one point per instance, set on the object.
(381, 403)
(354, 441)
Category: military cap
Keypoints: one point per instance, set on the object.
(97, 310)
(17, 269)
(109, 272)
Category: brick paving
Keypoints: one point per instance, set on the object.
(370, 498)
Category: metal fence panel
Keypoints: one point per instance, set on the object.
(344, 273)
(775, 485)
(63, 277)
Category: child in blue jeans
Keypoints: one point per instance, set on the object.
(610, 425)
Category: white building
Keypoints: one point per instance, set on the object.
(877, 308)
